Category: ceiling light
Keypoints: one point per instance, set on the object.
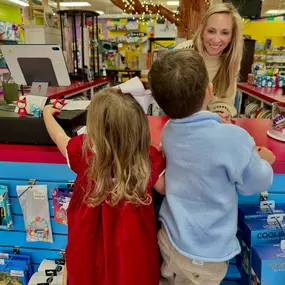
(172, 3)
(275, 12)
(22, 3)
(100, 12)
(74, 4)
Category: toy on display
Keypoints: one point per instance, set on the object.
(6, 221)
(277, 130)
(36, 111)
(34, 204)
(58, 104)
(22, 104)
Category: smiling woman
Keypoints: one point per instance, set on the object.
(219, 40)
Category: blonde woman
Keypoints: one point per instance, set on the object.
(111, 220)
(220, 42)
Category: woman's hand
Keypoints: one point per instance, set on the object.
(226, 118)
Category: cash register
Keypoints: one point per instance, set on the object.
(38, 66)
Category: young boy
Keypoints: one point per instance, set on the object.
(208, 163)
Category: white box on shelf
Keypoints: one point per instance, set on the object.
(42, 35)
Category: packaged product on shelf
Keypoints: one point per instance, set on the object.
(255, 232)
(281, 80)
(6, 221)
(250, 78)
(247, 212)
(268, 265)
(17, 257)
(265, 81)
(13, 272)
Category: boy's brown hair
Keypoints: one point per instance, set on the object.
(178, 81)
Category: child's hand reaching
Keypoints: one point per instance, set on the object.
(226, 117)
(48, 109)
(266, 154)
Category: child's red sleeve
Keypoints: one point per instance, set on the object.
(74, 153)
(158, 164)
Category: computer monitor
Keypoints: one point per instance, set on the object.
(38, 66)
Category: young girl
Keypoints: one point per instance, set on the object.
(111, 221)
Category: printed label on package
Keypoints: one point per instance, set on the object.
(2, 261)
(4, 255)
(17, 273)
(39, 196)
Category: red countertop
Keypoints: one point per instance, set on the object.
(256, 128)
(50, 154)
(75, 87)
(265, 93)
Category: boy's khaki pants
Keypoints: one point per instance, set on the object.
(180, 270)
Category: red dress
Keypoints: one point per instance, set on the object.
(110, 245)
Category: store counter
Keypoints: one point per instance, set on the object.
(266, 95)
(21, 163)
(77, 87)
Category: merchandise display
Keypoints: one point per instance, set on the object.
(277, 130)
(267, 265)
(60, 201)
(34, 203)
(258, 228)
(6, 221)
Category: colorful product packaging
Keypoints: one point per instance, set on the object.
(268, 265)
(6, 221)
(60, 202)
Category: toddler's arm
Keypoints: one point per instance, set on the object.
(55, 131)
(257, 176)
(159, 186)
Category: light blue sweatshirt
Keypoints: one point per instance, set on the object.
(208, 163)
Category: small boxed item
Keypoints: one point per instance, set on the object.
(248, 212)
(265, 81)
(13, 272)
(268, 265)
(6, 221)
(255, 232)
(5, 256)
(250, 78)
(281, 81)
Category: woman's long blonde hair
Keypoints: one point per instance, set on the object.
(231, 57)
(118, 136)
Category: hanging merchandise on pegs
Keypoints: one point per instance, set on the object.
(34, 203)
(60, 202)
(6, 221)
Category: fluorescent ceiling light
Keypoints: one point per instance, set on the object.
(275, 12)
(74, 4)
(100, 12)
(172, 3)
(22, 3)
